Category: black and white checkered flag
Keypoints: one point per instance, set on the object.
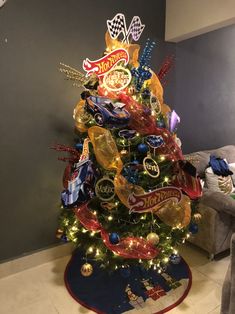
(117, 25)
(135, 29)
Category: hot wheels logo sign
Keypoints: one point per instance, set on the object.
(106, 63)
(153, 200)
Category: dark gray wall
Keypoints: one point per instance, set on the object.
(205, 90)
(37, 104)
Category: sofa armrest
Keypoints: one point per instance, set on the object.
(219, 201)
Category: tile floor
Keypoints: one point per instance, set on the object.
(41, 290)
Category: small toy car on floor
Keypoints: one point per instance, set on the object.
(107, 112)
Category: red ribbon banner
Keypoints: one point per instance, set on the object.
(153, 200)
(106, 63)
(130, 247)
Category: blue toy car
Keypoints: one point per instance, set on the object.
(81, 187)
(105, 111)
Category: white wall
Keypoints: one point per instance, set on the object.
(189, 18)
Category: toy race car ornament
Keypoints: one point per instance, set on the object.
(107, 112)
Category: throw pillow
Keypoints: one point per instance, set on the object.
(232, 168)
(218, 183)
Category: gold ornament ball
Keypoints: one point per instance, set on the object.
(197, 216)
(123, 152)
(153, 238)
(59, 233)
(86, 269)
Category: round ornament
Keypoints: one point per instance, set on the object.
(175, 259)
(124, 152)
(142, 148)
(59, 233)
(127, 134)
(146, 93)
(104, 189)
(64, 238)
(86, 269)
(197, 217)
(117, 79)
(125, 272)
(151, 167)
(155, 105)
(114, 238)
(161, 123)
(154, 141)
(153, 238)
(79, 146)
(193, 228)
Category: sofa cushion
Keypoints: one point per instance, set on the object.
(219, 201)
(201, 159)
(218, 183)
(227, 152)
(232, 168)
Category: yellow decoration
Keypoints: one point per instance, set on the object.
(105, 148)
(197, 217)
(132, 49)
(123, 189)
(59, 233)
(165, 109)
(176, 215)
(156, 87)
(80, 116)
(153, 238)
(86, 269)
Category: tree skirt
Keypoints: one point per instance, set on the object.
(128, 291)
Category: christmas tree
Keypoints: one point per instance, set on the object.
(129, 195)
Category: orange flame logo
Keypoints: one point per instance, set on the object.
(106, 63)
(153, 200)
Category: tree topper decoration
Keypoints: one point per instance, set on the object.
(117, 26)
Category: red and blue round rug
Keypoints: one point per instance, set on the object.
(134, 291)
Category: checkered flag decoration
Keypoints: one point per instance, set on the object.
(135, 29)
(117, 25)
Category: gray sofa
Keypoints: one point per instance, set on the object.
(217, 209)
(228, 291)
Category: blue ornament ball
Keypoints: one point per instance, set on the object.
(161, 124)
(125, 272)
(146, 93)
(135, 162)
(114, 238)
(175, 259)
(64, 238)
(193, 228)
(142, 148)
(79, 146)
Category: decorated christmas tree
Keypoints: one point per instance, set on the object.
(129, 195)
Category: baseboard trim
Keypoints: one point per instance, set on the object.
(35, 259)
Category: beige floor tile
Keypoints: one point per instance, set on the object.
(20, 290)
(204, 295)
(52, 278)
(43, 306)
(194, 256)
(215, 270)
(215, 311)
